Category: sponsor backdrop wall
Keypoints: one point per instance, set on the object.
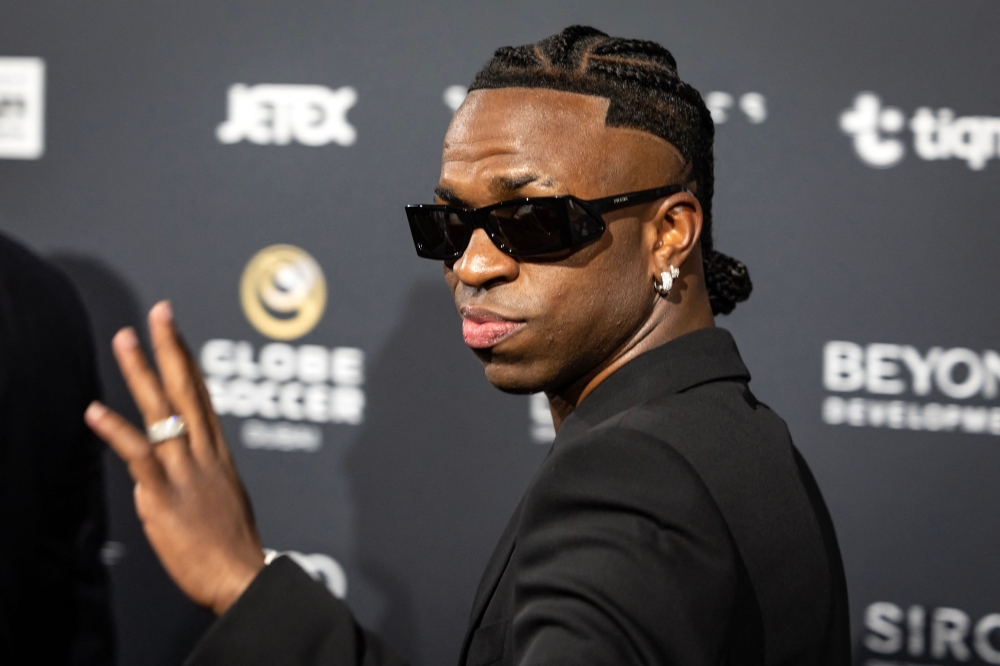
(250, 161)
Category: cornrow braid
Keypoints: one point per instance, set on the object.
(640, 80)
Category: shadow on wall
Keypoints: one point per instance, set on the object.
(154, 623)
(439, 467)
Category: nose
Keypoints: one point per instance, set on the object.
(483, 263)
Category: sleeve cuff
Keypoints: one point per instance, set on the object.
(283, 617)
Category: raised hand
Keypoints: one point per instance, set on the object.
(192, 505)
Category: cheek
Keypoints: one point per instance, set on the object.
(613, 283)
(614, 304)
(592, 307)
(582, 314)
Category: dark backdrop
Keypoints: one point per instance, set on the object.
(857, 226)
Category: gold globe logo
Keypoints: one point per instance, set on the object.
(283, 292)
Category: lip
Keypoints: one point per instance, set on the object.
(482, 328)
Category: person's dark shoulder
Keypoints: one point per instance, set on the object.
(736, 446)
(661, 457)
(38, 302)
(44, 331)
(620, 470)
(715, 413)
(30, 283)
(744, 453)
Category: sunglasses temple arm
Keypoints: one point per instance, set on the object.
(608, 204)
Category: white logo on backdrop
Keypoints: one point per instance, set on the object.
(454, 96)
(278, 114)
(752, 104)
(283, 294)
(868, 123)
(22, 108)
(280, 436)
(937, 135)
(305, 383)
(542, 429)
(943, 634)
(882, 369)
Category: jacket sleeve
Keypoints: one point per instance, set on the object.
(622, 557)
(286, 618)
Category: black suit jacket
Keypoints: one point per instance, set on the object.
(54, 605)
(673, 522)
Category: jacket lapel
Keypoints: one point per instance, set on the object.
(491, 577)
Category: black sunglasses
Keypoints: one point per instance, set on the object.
(520, 227)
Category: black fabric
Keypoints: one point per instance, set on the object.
(673, 522)
(287, 618)
(54, 606)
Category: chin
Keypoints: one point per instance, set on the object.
(515, 376)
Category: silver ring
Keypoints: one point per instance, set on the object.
(165, 429)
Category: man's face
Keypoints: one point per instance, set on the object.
(542, 323)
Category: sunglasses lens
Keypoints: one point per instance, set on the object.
(583, 226)
(533, 228)
(438, 233)
(519, 229)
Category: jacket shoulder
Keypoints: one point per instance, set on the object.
(622, 467)
(743, 453)
(617, 538)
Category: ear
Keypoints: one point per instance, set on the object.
(677, 227)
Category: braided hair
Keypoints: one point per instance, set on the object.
(640, 80)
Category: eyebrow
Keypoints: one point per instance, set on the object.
(499, 185)
(450, 198)
(511, 183)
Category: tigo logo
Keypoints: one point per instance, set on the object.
(867, 122)
(283, 292)
(278, 114)
(22, 108)
(937, 135)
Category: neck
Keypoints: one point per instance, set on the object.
(667, 322)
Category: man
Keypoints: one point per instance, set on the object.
(54, 605)
(673, 521)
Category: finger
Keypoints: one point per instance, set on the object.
(180, 383)
(130, 444)
(146, 390)
(142, 382)
(205, 400)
